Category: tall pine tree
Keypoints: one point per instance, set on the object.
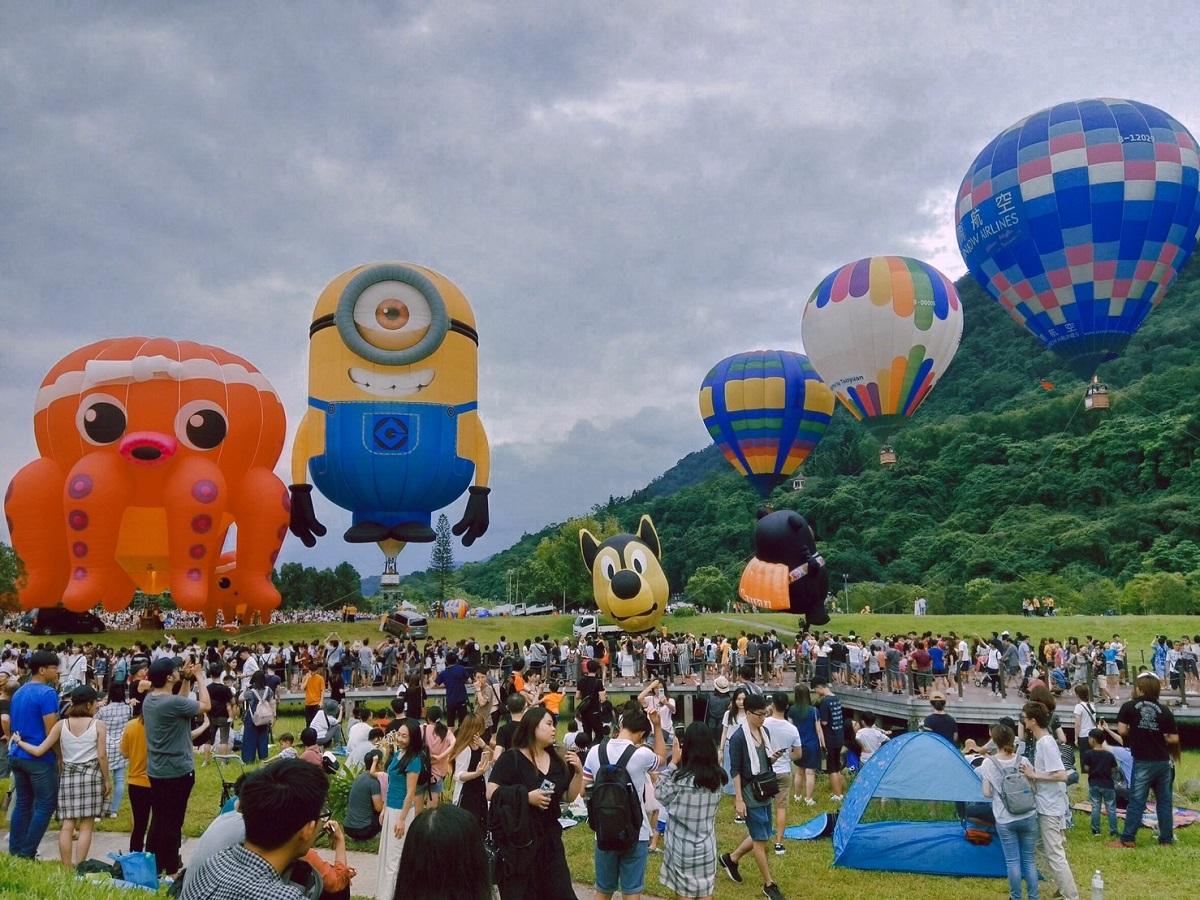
(442, 560)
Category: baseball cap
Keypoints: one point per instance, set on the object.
(84, 693)
(161, 669)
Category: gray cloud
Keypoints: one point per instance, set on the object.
(627, 194)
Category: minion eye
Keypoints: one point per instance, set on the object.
(637, 558)
(392, 315)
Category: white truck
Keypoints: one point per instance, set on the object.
(590, 625)
(522, 610)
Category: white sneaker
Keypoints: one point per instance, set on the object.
(808, 801)
(836, 798)
(796, 797)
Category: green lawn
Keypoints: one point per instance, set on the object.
(1138, 631)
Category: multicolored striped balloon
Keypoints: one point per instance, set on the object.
(766, 410)
(881, 331)
(1078, 219)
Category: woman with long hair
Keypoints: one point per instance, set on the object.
(803, 714)
(115, 715)
(536, 769)
(403, 802)
(734, 718)
(438, 837)
(438, 740)
(1018, 832)
(255, 738)
(472, 760)
(414, 698)
(690, 796)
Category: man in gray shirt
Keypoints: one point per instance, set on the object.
(167, 712)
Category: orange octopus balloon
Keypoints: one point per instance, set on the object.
(150, 450)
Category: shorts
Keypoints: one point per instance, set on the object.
(810, 758)
(625, 870)
(833, 760)
(218, 727)
(759, 822)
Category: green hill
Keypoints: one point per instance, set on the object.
(1005, 486)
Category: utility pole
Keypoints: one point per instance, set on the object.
(846, 591)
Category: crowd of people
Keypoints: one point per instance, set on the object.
(88, 724)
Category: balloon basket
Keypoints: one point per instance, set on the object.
(887, 455)
(1096, 395)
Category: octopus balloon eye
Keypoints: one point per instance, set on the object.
(392, 315)
(201, 425)
(101, 419)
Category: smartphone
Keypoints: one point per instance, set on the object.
(547, 786)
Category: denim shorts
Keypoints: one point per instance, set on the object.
(758, 822)
(624, 871)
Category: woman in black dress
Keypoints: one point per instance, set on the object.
(472, 759)
(534, 765)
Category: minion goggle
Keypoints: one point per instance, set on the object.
(393, 316)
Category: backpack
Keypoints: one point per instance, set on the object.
(263, 713)
(614, 809)
(1016, 793)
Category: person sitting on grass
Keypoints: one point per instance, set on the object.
(260, 843)
(287, 747)
(311, 752)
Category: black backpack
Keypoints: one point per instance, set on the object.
(614, 808)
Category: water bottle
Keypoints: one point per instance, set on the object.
(1097, 886)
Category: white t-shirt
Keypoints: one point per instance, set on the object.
(1051, 796)
(870, 739)
(357, 742)
(783, 735)
(1087, 721)
(640, 765)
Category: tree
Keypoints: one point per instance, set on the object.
(441, 562)
(709, 589)
(11, 572)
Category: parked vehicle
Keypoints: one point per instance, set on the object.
(590, 624)
(404, 624)
(58, 620)
(522, 610)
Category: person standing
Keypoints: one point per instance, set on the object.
(115, 714)
(1018, 831)
(454, 678)
(829, 711)
(258, 699)
(784, 736)
(133, 749)
(1149, 731)
(402, 803)
(1049, 778)
(167, 713)
(313, 686)
(691, 795)
(939, 721)
(626, 869)
(533, 772)
(33, 714)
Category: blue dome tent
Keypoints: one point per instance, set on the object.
(914, 766)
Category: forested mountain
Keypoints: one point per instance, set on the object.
(1004, 485)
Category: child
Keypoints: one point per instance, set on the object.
(1100, 764)
(870, 738)
(552, 699)
(287, 748)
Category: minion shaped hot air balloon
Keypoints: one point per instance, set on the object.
(392, 431)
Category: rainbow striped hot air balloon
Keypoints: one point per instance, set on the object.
(1078, 218)
(881, 331)
(766, 410)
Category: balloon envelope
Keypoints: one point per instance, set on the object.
(766, 410)
(881, 331)
(1078, 218)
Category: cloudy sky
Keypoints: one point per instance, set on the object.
(626, 192)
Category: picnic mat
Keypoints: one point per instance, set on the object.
(1183, 816)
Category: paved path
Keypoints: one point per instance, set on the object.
(105, 842)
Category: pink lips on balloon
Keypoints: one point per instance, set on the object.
(148, 448)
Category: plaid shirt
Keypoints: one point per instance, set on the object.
(690, 863)
(227, 875)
